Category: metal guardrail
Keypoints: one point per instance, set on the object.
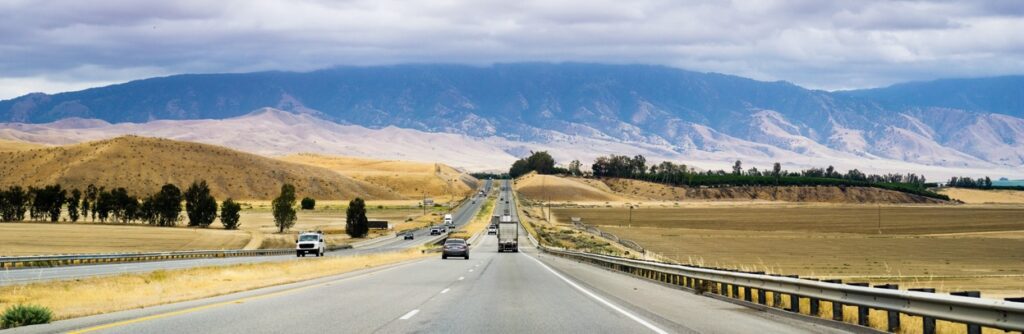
(80, 259)
(974, 313)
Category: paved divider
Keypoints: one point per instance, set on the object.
(964, 308)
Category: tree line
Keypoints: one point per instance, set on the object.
(979, 183)
(667, 172)
(162, 208)
(542, 163)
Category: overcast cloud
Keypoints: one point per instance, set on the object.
(54, 46)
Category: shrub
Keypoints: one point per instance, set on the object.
(229, 214)
(308, 203)
(24, 315)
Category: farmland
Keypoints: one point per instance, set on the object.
(945, 247)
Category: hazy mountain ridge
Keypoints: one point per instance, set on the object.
(963, 123)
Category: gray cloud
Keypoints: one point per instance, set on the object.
(58, 45)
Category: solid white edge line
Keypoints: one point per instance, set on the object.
(410, 314)
(643, 322)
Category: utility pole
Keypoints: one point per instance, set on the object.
(424, 203)
(879, 218)
(630, 216)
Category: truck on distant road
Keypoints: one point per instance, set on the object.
(310, 243)
(508, 235)
(448, 221)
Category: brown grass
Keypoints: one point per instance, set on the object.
(143, 165)
(934, 246)
(88, 296)
(49, 238)
(408, 178)
(977, 196)
(538, 187)
(11, 146)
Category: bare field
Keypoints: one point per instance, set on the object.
(946, 247)
(50, 238)
(977, 196)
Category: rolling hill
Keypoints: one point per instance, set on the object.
(409, 178)
(595, 191)
(142, 165)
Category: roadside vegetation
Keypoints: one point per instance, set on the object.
(24, 315)
(96, 295)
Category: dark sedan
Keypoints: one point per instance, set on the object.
(455, 247)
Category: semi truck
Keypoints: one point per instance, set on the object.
(508, 235)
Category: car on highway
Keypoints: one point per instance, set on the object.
(493, 229)
(437, 230)
(409, 235)
(455, 247)
(310, 243)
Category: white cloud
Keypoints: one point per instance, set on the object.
(44, 45)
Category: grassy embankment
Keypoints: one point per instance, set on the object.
(88, 296)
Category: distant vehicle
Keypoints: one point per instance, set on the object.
(410, 236)
(455, 247)
(508, 235)
(436, 230)
(310, 243)
(448, 220)
(493, 229)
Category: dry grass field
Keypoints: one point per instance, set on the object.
(330, 218)
(11, 146)
(96, 295)
(408, 178)
(576, 190)
(977, 196)
(48, 238)
(946, 247)
(142, 165)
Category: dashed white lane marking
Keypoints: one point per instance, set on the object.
(410, 314)
(462, 278)
(445, 290)
(471, 270)
(643, 322)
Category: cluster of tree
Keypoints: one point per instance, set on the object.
(162, 208)
(484, 176)
(680, 175)
(540, 162)
(979, 183)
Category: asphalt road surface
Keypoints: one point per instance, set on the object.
(525, 292)
(460, 215)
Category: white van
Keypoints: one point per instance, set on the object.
(448, 221)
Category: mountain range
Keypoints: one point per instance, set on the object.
(496, 113)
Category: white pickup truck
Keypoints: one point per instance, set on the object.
(310, 243)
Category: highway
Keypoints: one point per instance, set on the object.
(490, 293)
(461, 215)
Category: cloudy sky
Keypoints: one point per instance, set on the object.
(54, 46)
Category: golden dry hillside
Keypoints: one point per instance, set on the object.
(409, 178)
(10, 146)
(143, 164)
(574, 189)
(565, 189)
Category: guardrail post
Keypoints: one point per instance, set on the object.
(862, 311)
(735, 291)
(971, 328)
(794, 299)
(892, 317)
(837, 307)
(927, 323)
